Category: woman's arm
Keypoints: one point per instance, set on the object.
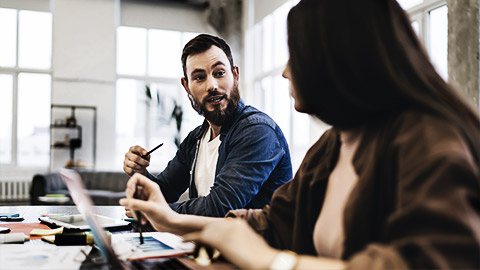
(154, 207)
(242, 246)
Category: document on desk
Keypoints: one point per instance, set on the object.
(20, 256)
(156, 244)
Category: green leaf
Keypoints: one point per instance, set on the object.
(148, 93)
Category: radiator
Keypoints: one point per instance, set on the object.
(14, 190)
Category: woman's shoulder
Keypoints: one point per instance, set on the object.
(429, 136)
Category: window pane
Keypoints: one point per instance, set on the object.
(163, 121)
(257, 97)
(130, 107)
(6, 90)
(416, 27)
(35, 39)
(268, 101)
(267, 43)
(8, 32)
(301, 136)
(187, 36)
(191, 118)
(282, 107)
(280, 35)
(257, 44)
(438, 39)
(131, 50)
(406, 4)
(164, 52)
(130, 116)
(33, 119)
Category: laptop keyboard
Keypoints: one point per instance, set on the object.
(95, 261)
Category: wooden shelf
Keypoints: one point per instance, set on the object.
(69, 121)
(65, 126)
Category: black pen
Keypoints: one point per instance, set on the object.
(151, 151)
(139, 219)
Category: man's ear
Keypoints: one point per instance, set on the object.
(185, 85)
(236, 72)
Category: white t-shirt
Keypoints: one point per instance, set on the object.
(206, 163)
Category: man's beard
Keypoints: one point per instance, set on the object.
(218, 116)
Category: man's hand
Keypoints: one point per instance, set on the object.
(129, 213)
(134, 163)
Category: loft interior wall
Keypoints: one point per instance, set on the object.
(84, 51)
(263, 8)
(34, 5)
(169, 16)
(84, 64)
(84, 56)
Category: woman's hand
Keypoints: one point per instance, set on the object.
(237, 241)
(150, 203)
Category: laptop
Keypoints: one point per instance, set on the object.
(85, 206)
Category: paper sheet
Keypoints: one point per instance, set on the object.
(157, 244)
(19, 256)
(46, 232)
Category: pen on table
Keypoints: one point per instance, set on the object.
(137, 213)
(151, 151)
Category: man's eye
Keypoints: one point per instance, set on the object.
(198, 78)
(220, 73)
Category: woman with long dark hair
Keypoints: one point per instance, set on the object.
(395, 182)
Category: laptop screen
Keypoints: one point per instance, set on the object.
(85, 206)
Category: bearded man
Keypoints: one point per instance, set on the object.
(236, 158)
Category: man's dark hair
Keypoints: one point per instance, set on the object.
(202, 43)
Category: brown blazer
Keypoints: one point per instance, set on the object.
(416, 203)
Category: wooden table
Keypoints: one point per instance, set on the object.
(31, 213)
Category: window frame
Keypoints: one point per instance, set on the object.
(148, 79)
(255, 74)
(15, 71)
(420, 13)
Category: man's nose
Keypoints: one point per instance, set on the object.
(212, 84)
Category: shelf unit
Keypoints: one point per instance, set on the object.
(68, 123)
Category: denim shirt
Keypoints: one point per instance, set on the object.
(253, 161)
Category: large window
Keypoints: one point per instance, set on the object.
(266, 58)
(266, 55)
(148, 89)
(430, 21)
(25, 86)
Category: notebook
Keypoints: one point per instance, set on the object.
(85, 206)
(79, 222)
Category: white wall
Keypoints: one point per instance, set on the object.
(262, 8)
(162, 15)
(84, 53)
(84, 64)
(36, 5)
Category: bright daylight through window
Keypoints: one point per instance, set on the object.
(267, 54)
(25, 81)
(151, 58)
